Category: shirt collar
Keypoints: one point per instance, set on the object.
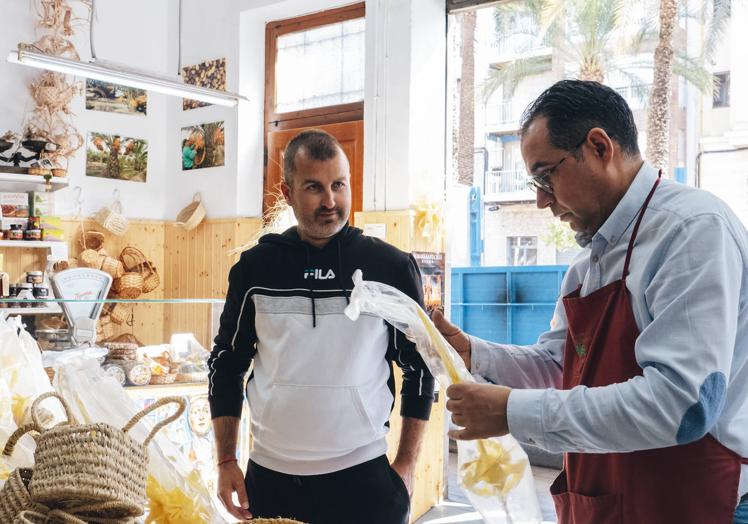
(628, 207)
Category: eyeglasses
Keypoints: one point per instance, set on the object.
(540, 181)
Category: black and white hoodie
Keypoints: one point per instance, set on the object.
(322, 389)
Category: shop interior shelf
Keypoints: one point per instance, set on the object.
(50, 308)
(32, 243)
(22, 182)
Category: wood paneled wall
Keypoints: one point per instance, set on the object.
(197, 266)
(429, 480)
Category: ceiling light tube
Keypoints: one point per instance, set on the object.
(118, 74)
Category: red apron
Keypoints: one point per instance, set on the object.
(693, 483)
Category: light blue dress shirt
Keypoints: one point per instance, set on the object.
(688, 284)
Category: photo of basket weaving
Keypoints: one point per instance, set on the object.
(417, 262)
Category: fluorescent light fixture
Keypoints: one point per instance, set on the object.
(118, 74)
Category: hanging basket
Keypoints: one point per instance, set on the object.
(104, 328)
(128, 286)
(93, 470)
(111, 217)
(119, 313)
(151, 280)
(113, 266)
(92, 240)
(132, 258)
(89, 258)
(191, 216)
(135, 261)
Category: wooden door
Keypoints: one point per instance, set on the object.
(351, 138)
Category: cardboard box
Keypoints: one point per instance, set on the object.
(52, 228)
(14, 205)
(41, 203)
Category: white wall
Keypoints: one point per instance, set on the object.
(404, 109)
(404, 101)
(210, 30)
(121, 35)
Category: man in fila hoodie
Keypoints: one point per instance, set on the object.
(322, 387)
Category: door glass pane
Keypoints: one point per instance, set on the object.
(320, 67)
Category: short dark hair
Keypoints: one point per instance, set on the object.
(573, 107)
(318, 144)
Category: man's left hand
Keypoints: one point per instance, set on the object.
(406, 471)
(480, 409)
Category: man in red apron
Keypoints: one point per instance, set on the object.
(643, 378)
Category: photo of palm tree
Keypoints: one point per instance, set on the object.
(117, 157)
(203, 146)
(103, 96)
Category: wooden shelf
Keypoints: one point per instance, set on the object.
(21, 182)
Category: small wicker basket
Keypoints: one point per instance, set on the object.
(104, 328)
(111, 217)
(89, 258)
(112, 266)
(92, 240)
(129, 285)
(95, 469)
(158, 380)
(132, 258)
(135, 261)
(120, 313)
(191, 216)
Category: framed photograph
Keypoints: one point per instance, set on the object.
(203, 146)
(113, 98)
(117, 157)
(207, 74)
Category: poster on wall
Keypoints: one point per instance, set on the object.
(432, 275)
(116, 157)
(114, 98)
(206, 74)
(203, 146)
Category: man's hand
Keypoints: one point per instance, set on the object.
(454, 335)
(478, 408)
(406, 471)
(230, 481)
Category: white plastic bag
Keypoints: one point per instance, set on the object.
(21, 368)
(176, 492)
(494, 473)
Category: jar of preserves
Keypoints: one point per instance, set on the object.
(32, 234)
(35, 277)
(15, 232)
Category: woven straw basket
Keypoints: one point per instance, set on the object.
(112, 266)
(191, 216)
(111, 217)
(15, 497)
(120, 313)
(272, 521)
(93, 470)
(92, 240)
(135, 261)
(129, 285)
(43, 516)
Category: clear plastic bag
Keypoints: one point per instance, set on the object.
(494, 473)
(176, 492)
(21, 368)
